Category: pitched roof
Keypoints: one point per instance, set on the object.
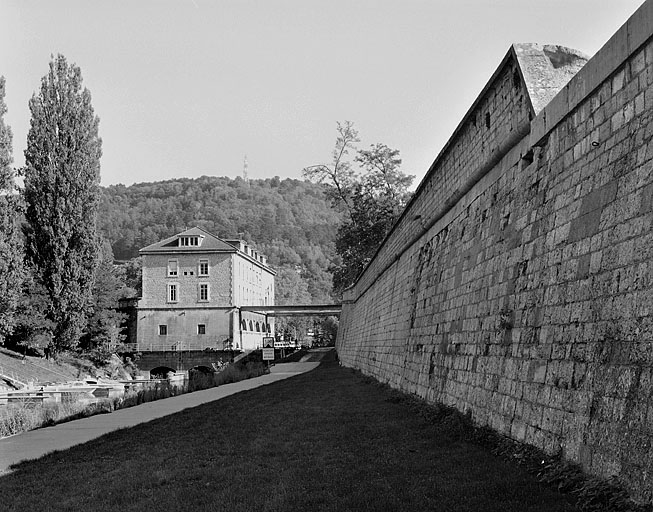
(210, 243)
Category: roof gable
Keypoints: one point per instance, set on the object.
(210, 243)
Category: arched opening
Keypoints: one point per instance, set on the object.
(244, 325)
(258, 327)
(251, 326)
(161, 372)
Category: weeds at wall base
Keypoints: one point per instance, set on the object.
(590, 494)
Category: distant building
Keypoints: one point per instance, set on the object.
(193, 286)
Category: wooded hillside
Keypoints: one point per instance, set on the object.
(290, 221)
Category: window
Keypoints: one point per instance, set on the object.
(173, 271)
(201, 328)
(244, 325)
(190, 241)
(172, 293)
(203, 268)
(163, 330)
(203, 295)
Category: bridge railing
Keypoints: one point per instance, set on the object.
(178, 346)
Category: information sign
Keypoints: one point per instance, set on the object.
(268, 342)
(268, 354)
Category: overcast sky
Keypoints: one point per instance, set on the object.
(191, 87)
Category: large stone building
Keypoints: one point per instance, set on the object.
(193, 286)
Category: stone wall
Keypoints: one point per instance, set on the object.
(517, 285)
(182, 328)
(182, 361)
(156, 280)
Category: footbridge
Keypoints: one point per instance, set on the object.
(307, 310)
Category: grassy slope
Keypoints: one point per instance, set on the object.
(35, 369)
(326, 440)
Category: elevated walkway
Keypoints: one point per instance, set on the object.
(306, 310)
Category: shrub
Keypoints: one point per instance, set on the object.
(23, 416)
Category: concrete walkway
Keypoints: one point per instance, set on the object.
(36, 443)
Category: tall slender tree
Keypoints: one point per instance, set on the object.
(11, 247)
(62, 178)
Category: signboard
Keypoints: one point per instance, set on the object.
(268, 342)
(268, 354)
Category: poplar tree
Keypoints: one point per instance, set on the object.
(62, 176)
(11, 247)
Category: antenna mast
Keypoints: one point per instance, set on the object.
(245, 170)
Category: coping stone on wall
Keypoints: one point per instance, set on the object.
(632, 34)
(546, 69)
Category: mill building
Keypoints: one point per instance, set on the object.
(194, 284)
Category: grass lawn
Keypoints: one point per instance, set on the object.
(325, 440)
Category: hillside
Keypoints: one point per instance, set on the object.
(291, 221)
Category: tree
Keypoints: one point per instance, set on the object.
(339, 175)
(133, 272)
(11, 247)
(62, 177)
(374, 195)
(104, 331)
(359, 237)
(33, 329)
(382, 177)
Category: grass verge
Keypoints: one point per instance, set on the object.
(325, 440)
(590, 494)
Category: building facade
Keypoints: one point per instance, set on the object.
(193, 286)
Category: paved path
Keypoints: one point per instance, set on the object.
(36, 443)
(316, 354)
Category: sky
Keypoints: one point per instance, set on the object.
(187, 88)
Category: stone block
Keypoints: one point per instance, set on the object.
(585, 226)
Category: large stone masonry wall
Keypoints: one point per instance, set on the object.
(500, 117)
(528, 301)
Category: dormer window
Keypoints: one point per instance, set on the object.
(190, 241)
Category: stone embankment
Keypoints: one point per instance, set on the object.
(517, 285)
